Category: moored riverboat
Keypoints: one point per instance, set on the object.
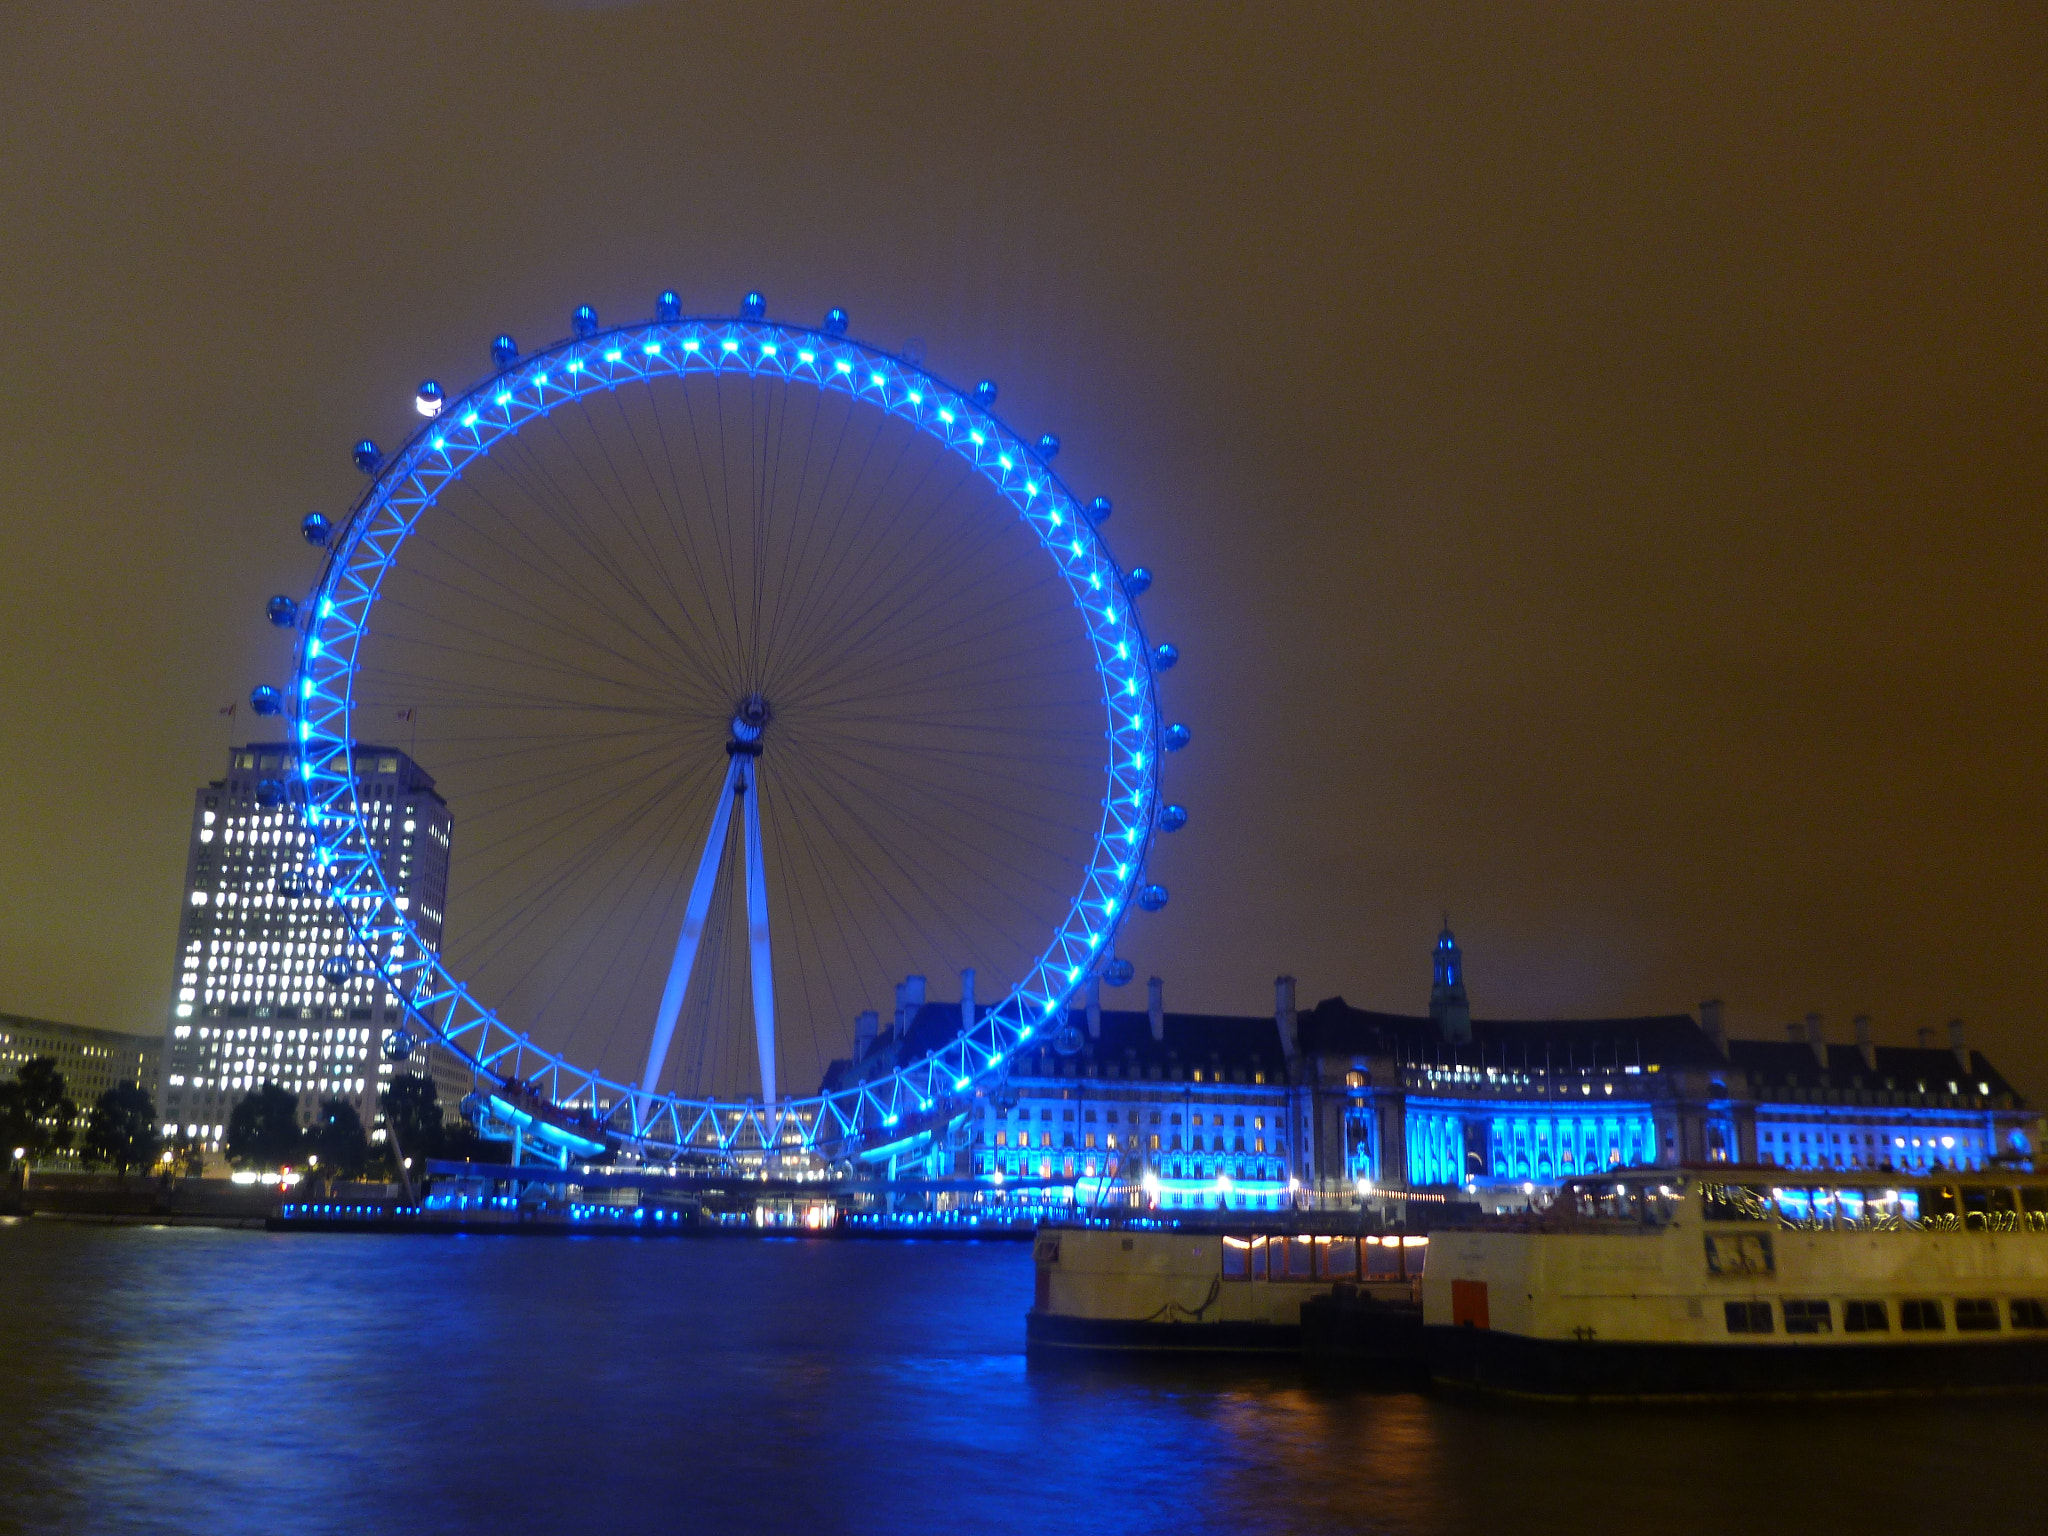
(1205, 1290)
(1726, 1282)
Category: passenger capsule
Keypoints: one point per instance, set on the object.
(336, 969)
(1176, 737)
(668, 308)
(428, 400)
(398, 1045)
(835, 321)
(1165, 657)
(583, 321)
(985, 393)
(368, 456)
(504, 352)
(315, 530)
(1118, 973)
(754, 306)
(269, 794)
(1172, 817)
(1099, 509)
(282, 611)
(266, 700)
(1152, 897)
(1049, 447)
(1138, 581)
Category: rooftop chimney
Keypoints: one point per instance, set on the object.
(1155, 1005)
(1864, 1046)
(899, 1010)
(1795, 1031)
(1925, 1037)
(913, 994)
(1711, 1025)
(864, 1029)
(967, 1015)
(1285, 1016)
(1095, 1007)
(1817, 1040)
(1955, 1043)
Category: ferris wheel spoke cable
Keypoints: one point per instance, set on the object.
(676, 520)
(524, 606)
(561, 520)
(683, 526)
(912, 870)
(509, 919)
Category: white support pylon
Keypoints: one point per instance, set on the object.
(757, 933)
(694, 915)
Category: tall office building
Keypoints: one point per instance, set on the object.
(268, 987)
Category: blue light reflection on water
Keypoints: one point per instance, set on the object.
(190, 1380)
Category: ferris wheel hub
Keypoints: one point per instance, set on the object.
(749, 719)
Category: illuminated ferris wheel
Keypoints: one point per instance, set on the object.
(760, 669)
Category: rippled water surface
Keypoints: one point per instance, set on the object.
(226, 1382)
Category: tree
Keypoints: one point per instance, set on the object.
(337, 1139)
(263, 1131)
(35, 1115)
(412, 1112)
(121, 1132)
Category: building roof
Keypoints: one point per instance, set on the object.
(1238, 1046)
(1792, 1064)
(1334, 1028)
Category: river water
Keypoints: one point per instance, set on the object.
(225, 1382)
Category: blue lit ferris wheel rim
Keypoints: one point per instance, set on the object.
(405, 488)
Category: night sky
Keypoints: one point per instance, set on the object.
(1591, 456)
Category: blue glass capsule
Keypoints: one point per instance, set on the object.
(504, 352)
(1138, 581)
(583, 321)
(282, 611)
(1176, 737)
(368, 456)
(398, 1045)
(266, 700)
(336, 968)
(1172, 817)
(668, 308)
(1049, 447)
(428, 399)
(835, 321)
(270, 794)
(985, 393)
(1118, 973)
(315, 530)
(754, 305)
(1152, 897)
(1099, 509)
(289, 884)
(1165, 657)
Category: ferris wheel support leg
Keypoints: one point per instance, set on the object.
(757, 944)
(693, 928)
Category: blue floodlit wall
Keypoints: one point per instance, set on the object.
(1792, 1136)
(1554, 1144)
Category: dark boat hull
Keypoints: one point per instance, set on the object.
(1484, 1360)
(1050, 1333)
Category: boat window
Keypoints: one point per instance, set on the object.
(1938, 1211)
(1809, 1317)
(1852, 1210)
(1798, 1209)
(2029, 1314)
(1337, 1258)
(1414, 1255)
(1989, 1208)
(1921, 1317)
(1734, 1202)
(1293, 1258)
(1749, 1316)
(1975, 1316)
(2034, 1206)
(1237, 1258)
(1383, 1258)
(1865, 1317)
